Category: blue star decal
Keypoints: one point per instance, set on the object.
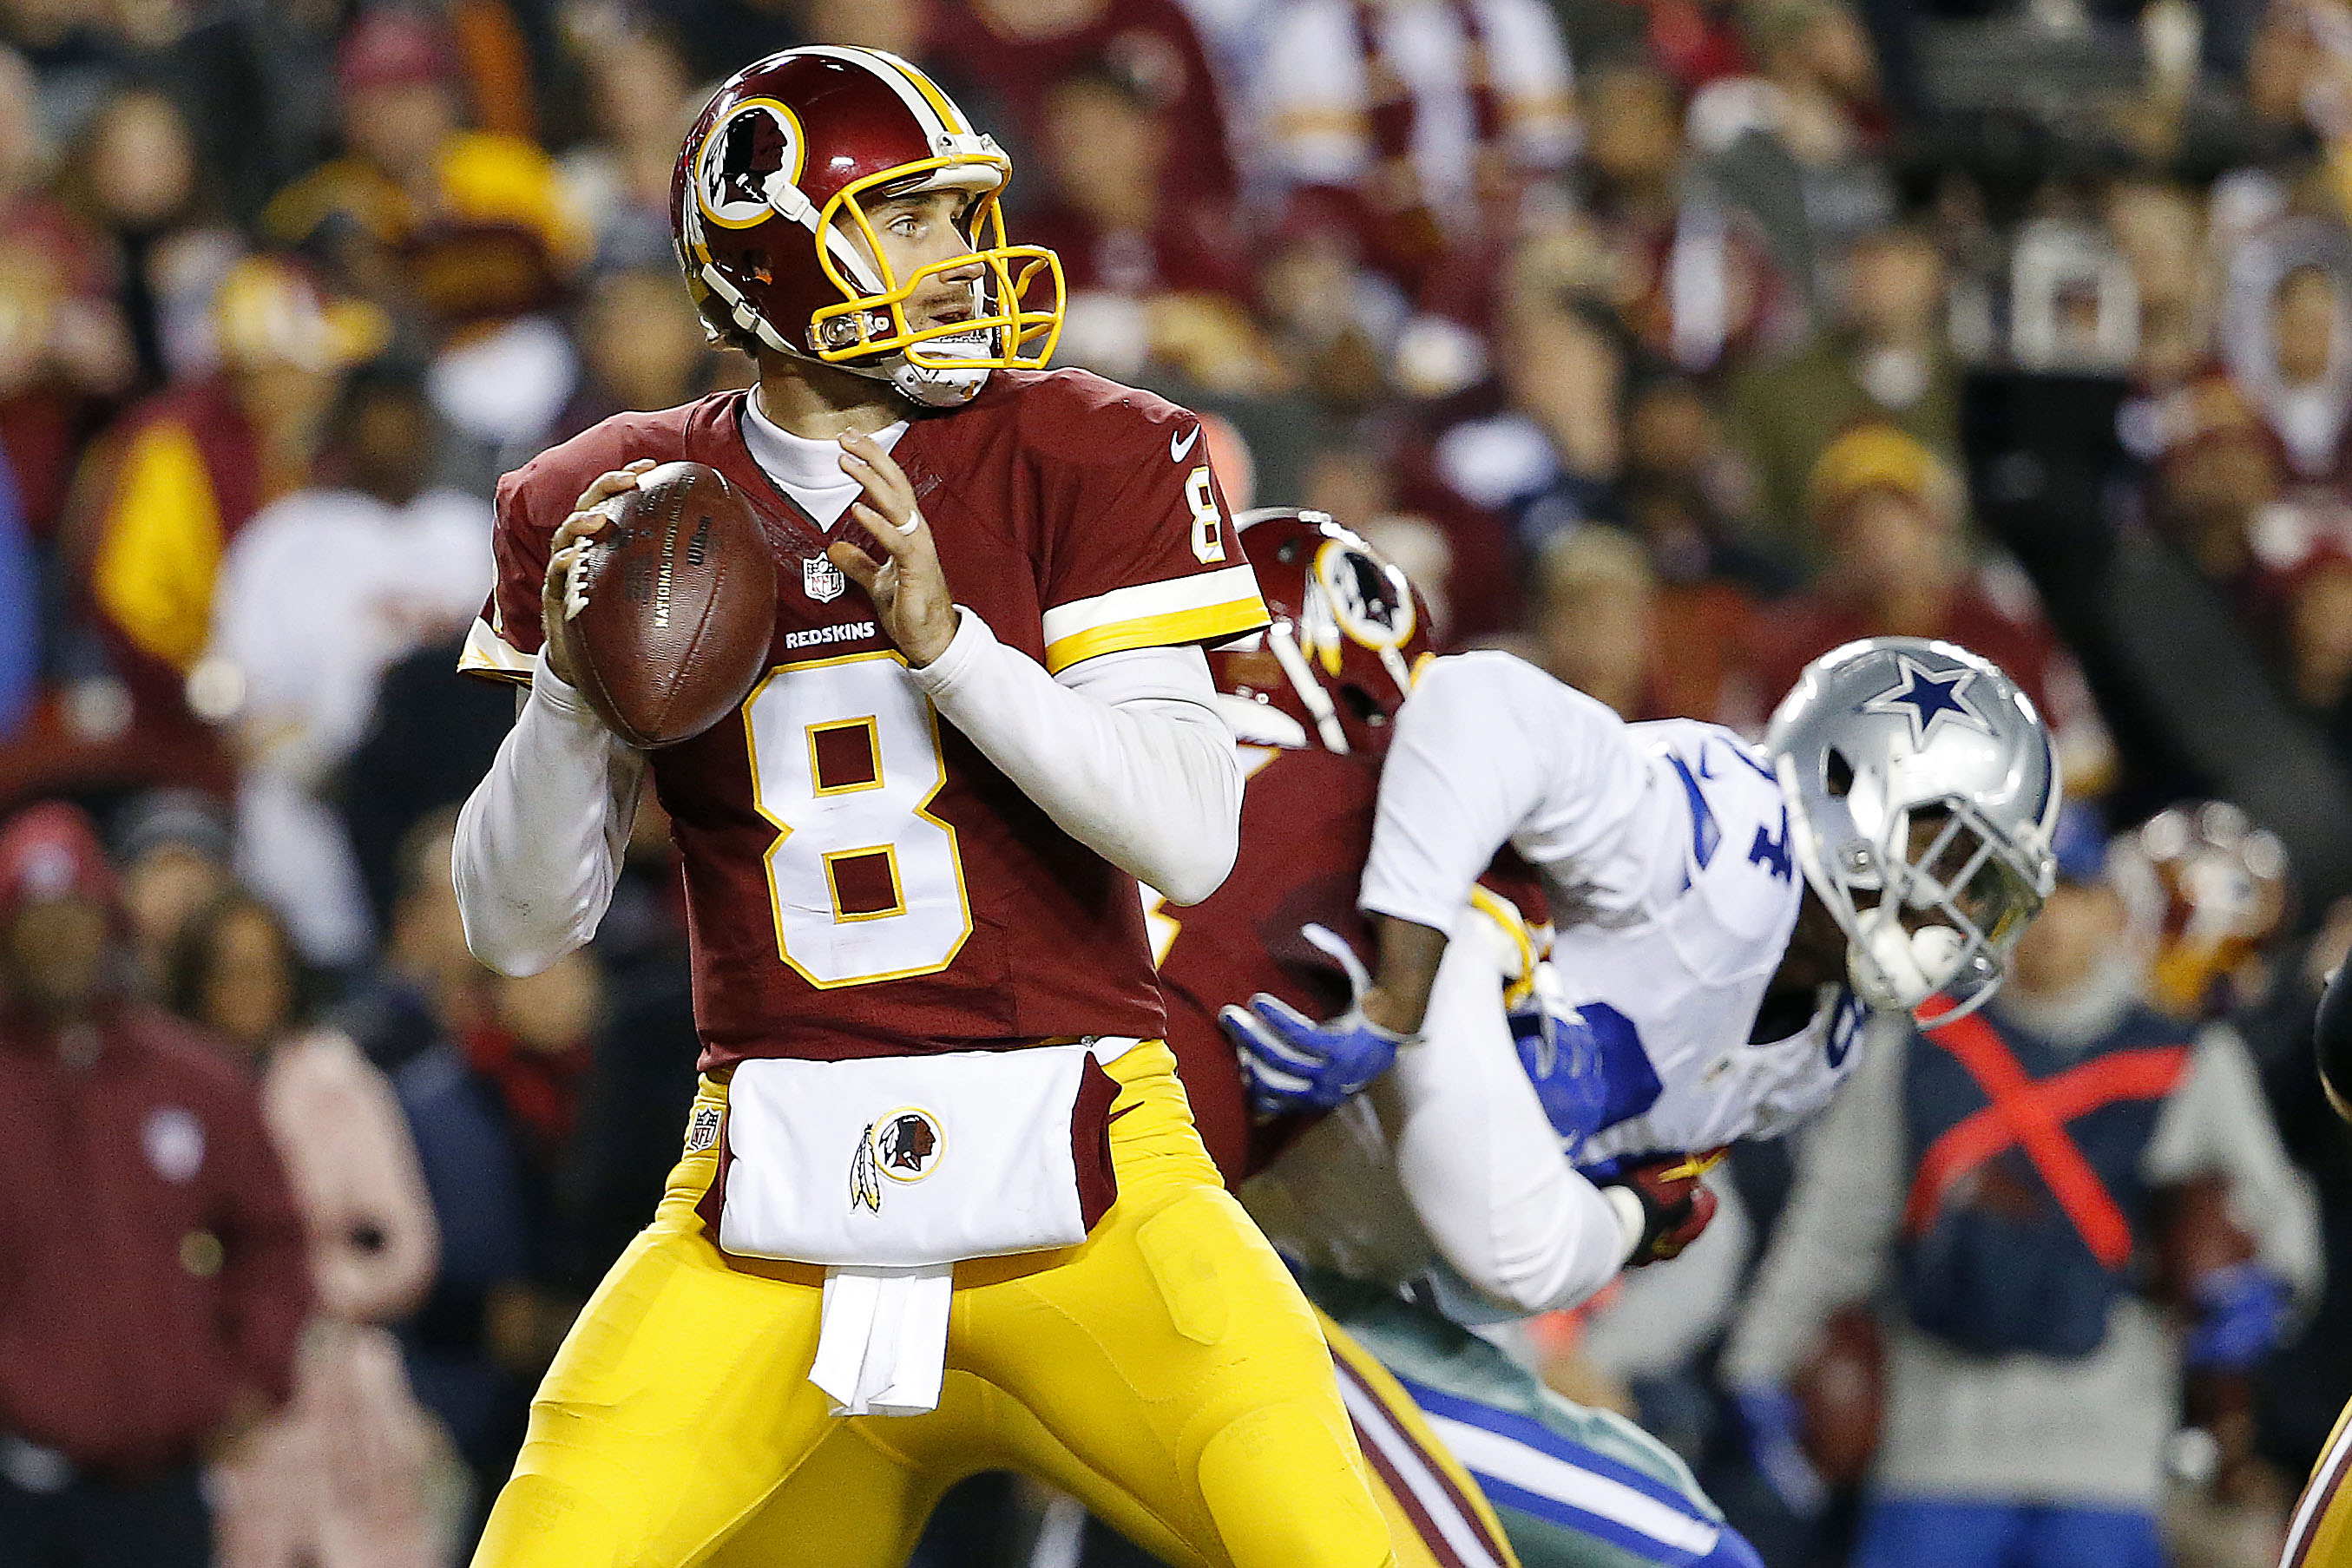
(1928, 699)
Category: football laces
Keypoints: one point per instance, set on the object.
(576, 584)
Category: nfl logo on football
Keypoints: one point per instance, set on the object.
(822, 580)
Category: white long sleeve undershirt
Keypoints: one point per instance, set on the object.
(1126, 752)
(540, 839)
(1448, 1158)
(1490, 750)
(1480, 1161)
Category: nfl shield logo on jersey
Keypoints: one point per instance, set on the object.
(822, 580)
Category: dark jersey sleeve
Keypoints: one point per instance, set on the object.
(1139, 547)
(532, 503)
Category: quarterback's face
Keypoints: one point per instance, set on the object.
(926, 229)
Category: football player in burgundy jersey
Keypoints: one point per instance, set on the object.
(941, 1162)
(1437, 1410)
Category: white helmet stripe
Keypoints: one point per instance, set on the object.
(934, 127)
(921, 80)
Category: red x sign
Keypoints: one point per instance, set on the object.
(2034, 1115)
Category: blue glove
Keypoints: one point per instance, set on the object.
(1773, 1423)
(1294, 1063)
(2242, 1313)
(1561, 1061)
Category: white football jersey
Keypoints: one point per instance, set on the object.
(1664, 851)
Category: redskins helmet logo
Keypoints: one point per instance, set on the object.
(1369, 600)
(749, 167)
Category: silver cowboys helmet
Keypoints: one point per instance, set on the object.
(1922, 790)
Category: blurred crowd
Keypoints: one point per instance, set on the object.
(1667, 342)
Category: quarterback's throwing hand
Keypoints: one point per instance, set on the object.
(909, 590)
(1294, 1063)
(564, 551)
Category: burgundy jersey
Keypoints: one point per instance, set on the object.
(860, 880)
(1307, 830)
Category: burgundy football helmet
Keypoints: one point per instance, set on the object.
(1348, 633)
(768, 193)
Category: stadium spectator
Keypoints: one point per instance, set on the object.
(319, 594)
(1694, 275)
(1154, 282)
(1546, 451)
(2160, 226)
(2286, 338)
(1689, 495)
(338, 1479)
(470, 1346)
(155, 1282)
(171, 485)
(1889, 514)
(1415, 127)
(1815, 96)
(1018, 49)
(460, 223)
(2031, 1385)
(641, 346)
(1887, 361)
(172, 848)
(65, 350)
(641, 98)
(2218, 473)
(1594, 611)
(469, 232)
(135, 177)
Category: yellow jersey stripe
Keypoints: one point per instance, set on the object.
(1199, 591)
(1209, 624)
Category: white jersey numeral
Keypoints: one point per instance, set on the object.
(865, 883)
(1208, 522)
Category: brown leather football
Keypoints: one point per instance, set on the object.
(1841, 1390)
(681, 605)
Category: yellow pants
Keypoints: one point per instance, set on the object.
(1166, 1371)
(875, 1480)
(2321, 1534)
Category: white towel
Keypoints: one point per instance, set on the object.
(883, 1344)
(887, 1170)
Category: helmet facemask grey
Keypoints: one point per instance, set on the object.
(1922, 792)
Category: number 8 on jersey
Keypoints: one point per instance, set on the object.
(865, 883)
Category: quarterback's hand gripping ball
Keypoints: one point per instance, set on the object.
(666, 606)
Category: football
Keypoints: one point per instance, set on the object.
(675, 607)
(1841, 1390)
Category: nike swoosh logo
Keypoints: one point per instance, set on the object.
(1178, 450)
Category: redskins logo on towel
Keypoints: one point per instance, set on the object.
(904, 1145)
